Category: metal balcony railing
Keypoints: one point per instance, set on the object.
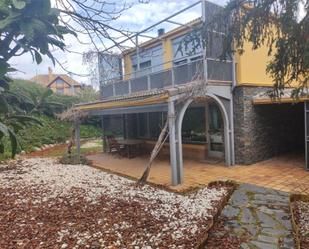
(217, 71)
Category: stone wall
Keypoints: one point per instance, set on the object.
(264, 131)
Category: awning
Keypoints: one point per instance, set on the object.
(264, 99)
(132, 101)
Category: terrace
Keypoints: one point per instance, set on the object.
(207, 69)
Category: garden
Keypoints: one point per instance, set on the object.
(32, 99)
(45, 204)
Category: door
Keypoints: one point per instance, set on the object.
(214, 130)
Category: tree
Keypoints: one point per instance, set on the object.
(25, 27)
(277, 24)
(33, 26)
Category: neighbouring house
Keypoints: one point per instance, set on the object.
(214, 108)
(59, 83)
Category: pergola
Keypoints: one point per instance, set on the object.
(174, 99)
(174, 102)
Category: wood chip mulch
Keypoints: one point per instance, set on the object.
(47, 205)
(301, 216)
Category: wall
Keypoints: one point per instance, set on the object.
(67, 90)
(264, 131)
(251, 67)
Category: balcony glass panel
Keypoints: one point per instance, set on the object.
(139, 84)
(218, 70)
(196, 70)
(122, 88)
(181, 74)
(107, 91)
(161, 80)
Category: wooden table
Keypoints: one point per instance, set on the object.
(133, 147)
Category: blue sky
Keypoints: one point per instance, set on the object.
(138, 17)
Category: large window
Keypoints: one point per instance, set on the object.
(194, 126)
(145, 68)
(215, 117)
(142, 123)
(155, 124)
(150, 124)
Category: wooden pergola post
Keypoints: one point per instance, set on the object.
(77, 137)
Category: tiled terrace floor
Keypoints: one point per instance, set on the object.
(284, 173)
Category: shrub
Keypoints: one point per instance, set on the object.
(73, 159)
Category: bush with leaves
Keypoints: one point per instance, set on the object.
(74, 159)
(25, 27)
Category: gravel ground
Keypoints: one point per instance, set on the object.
(301, 213)
(48, 205)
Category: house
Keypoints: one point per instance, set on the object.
(59, 83)
(214, 108)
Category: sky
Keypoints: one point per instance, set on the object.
(136, 18)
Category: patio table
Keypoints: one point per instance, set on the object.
(132, 147)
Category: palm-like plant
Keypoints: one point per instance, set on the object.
(26, 26)
(11, 119)
(42, 104)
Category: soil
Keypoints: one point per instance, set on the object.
(301, 216)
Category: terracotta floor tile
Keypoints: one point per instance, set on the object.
(285, 173)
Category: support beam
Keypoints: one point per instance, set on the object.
(172, 140)
(77, 138)
(104, 143)
(306, 109)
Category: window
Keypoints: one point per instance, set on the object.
(60, 90)
(145, 68)
(142, 123)
(59, 83)
(185, 46)
(155, 124)
(215, 122)
(150, 124)
(181, 62)
(194, 126)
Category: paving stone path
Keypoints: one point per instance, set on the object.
(260, 215)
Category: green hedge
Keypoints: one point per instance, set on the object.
(53, 131)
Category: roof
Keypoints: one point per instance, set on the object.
(264, 98)
(170, 33)
(46, 79)
(143, 98)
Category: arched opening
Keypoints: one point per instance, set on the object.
(213, 133)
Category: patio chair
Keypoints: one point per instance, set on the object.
(114, 146)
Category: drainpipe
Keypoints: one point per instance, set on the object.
(232, 111)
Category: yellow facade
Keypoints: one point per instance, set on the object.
(167, 53)
(127, 66)
(251, 67)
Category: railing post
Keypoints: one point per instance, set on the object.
(173, 76)
(114, 90)
(148, 82)
(130, 89)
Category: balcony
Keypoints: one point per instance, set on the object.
(147, 80)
